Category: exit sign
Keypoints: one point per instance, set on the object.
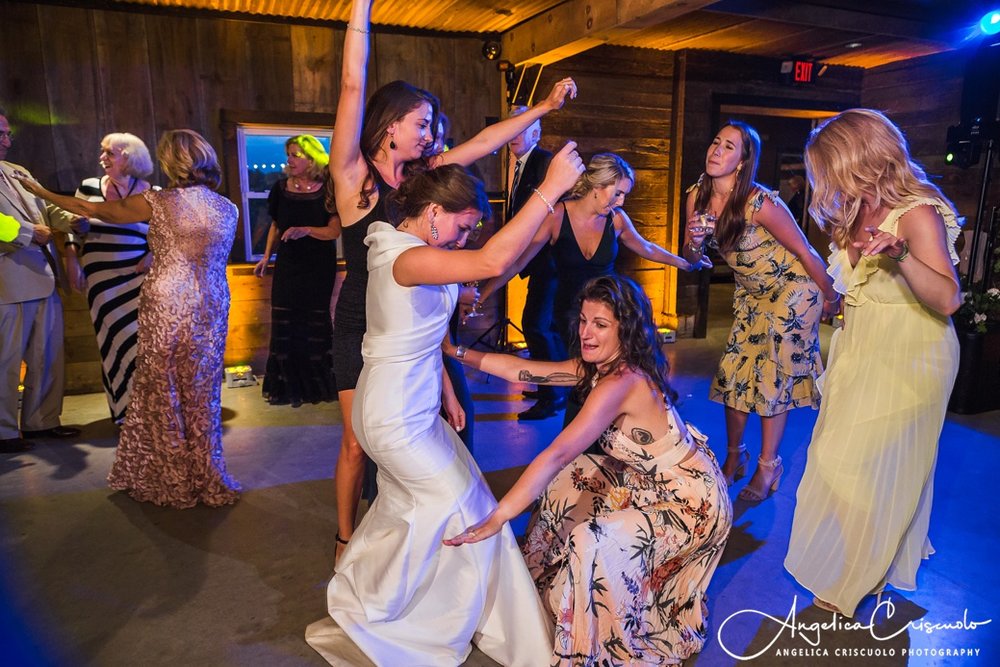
(798, 71)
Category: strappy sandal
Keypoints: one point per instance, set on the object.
(742, 460)
(777, 470)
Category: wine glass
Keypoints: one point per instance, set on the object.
(703, 222)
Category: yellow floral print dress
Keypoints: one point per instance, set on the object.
(772, 358)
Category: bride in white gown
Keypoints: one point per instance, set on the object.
(398, 594)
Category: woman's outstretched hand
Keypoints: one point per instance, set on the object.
(482, 530)
(28, 183)
(560, 91)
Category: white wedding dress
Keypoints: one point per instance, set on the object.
(398, 594)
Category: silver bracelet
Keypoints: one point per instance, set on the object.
(544, 201)
(358, 30)
(460, 352)
(833, 300)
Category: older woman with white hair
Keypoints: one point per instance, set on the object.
(109, 262)
(170, 450)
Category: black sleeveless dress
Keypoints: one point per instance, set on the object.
(349, 322)
(573, 270)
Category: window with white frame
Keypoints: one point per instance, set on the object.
(262, 161)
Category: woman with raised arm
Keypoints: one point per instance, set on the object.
(371, 149)
(170, 450)
(397, 594)
(584, 233)
(623, 544)
(302, 232)
(772, 358)
(864, 503)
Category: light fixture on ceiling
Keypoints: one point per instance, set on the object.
(491, 49)
(853, 45)
(990, 23)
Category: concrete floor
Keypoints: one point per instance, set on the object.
(90, 577)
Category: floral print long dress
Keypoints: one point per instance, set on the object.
(623, 545)
(772, 358)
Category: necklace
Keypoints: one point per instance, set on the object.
(131, 186)
(298, 187)
(608, 367)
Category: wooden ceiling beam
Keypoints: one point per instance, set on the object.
(578, 25)
(819, 16)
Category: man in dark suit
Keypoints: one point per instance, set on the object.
(525, 170)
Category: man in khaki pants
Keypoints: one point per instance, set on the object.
(31, 319)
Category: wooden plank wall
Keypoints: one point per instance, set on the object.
(624, 106)
(68, 76)
(924, 96)
(705, 76)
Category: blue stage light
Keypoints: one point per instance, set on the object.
(990, 23)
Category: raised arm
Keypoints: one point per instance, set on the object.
(347, 165)
(426, 265)
(492, 138)
(775, 217)
(119, 211)
(645, 248)
(921, 252)
(602, 407)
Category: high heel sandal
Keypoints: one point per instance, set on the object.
(777, 470)
(742, 460)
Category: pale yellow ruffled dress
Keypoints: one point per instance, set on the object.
(864, 503)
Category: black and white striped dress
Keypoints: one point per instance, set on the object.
(109, 257)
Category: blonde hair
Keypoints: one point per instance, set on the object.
(138, 163)
(858, 152)
(187, 159)
(603, 169)
(314, 151)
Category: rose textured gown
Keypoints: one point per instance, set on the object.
(170, 451)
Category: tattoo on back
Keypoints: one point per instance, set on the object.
(526, 376)
(642, 436)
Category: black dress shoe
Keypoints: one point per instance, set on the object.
(54, 432)
(540, 410)
(14, 445)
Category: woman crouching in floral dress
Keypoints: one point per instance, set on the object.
(622, 546)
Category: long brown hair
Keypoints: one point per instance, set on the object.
(387, 105)
(732, 220)
(640, 345)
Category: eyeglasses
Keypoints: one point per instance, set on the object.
(9, 134)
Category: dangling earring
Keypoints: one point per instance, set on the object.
(392, 144)
(434, 232)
